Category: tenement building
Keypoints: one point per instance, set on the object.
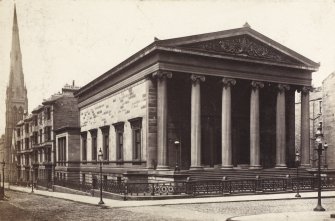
(217, 100)
(36, 150)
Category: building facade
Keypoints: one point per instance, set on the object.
(223, 99)
(322, 111)
(36, 143)
(16, 99)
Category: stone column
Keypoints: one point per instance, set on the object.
(162, 76)
(305, 127)
(196, 122)
(227, 159)
(281, 127)
(254, 125)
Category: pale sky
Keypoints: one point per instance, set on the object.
(65, 40)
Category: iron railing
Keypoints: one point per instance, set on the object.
(44, 183)
(76, 185)
(203, 187)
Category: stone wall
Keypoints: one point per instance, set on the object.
(328, 113)
(126, 104)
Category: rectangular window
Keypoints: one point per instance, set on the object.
(94, 145)
(136, 126)
(47, 134)
(35, 136)
(18, 145)
(47, 113)
(105, 143)
(18, 132)
(62, 150)
(26, 141)
(35, 120)
(84, 146)
(26, 128)
(41, 132)
(119, 128)
(41, 156)
(320, 107)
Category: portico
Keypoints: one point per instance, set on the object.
(230, 102)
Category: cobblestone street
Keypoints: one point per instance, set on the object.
(24, 206)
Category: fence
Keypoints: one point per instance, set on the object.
(197, 188)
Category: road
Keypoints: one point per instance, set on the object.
(29, 207)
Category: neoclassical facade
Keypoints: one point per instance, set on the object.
(217, 100)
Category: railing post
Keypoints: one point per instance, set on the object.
(153, 189)
(125, 191)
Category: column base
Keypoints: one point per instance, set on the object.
(227, 167)
(196, 168)
(162, 167)
(281, 166)
(255, 167)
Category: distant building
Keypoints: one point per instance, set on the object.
(322, 110)
(328, 114)
(36, 144)
(16, 99)
(216, 100)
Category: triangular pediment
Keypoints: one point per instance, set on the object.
(242, 46)
(244, 43)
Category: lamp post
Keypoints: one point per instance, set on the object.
(176, 143)
(297, 162)
(32, 179)
(100, 155)
(325, 146)
(319, 140)
(3, 176)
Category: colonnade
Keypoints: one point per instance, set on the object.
(226, 130)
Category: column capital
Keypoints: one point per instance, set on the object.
(257, 84)
(305, 89)
(162, 74)
(227, 82)
(196, 78)
(283, 87)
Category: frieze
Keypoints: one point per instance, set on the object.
(243, 46)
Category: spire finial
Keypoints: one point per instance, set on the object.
(246, 25)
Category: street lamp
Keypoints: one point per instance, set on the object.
(297, 162)
(319, 149)
(176, 143)
(100, 155)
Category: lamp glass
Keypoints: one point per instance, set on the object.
(100, 154)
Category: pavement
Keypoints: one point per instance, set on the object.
(287, 216)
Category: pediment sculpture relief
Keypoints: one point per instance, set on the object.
(244, 46)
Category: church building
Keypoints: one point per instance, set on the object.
(221, 100)
(16, 99)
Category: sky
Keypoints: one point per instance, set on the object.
(66, 40)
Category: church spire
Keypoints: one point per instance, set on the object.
(16, 79)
